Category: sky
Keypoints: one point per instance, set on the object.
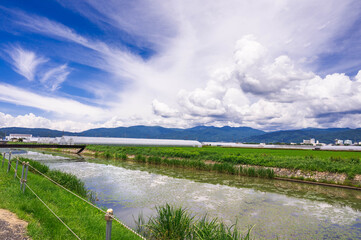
(271, 65)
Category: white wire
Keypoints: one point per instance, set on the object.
(58, 184)
(53, 212)
(47, 206)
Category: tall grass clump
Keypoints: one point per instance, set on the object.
(265, 173)
(39, 166)
(107, 154)
(67, 180)
(140, 158)
(155, 160)
(257, 172)
(250, 171)
(178, 224)
(170, 223)
(224, 168)
(121, 156)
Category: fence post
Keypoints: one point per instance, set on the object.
(9, 162)
(4, 155)
(16, 168)
(109, 219)
(26, 176)
(22, 175)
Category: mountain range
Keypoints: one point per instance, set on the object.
(202, 133)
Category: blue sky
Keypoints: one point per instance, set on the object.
(75, 65)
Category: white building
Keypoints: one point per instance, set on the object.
(338, 142)
(17, 137)
(310, 141)
(347, 142)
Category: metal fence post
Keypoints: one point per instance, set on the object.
(4, 155)
(26, 176)
(22, 175)
(9, 162)
(16, 168)
(109, 219)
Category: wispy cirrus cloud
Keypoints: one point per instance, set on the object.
(53, 77)
(58, 106)
(25, 62)
(30, 65)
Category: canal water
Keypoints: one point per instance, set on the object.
(276, 209)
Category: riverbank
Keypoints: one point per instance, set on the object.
(86, 221)
(340, 168)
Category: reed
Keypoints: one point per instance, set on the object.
(140, 158)
(39, 166)
(178, 224)
(155, 160)
(170, 223)
(121, 156)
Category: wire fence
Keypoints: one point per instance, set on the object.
(23, 183)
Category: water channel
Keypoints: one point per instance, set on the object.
(276, 209)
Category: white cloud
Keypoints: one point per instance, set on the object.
(271, 94)
(25, 62)
(61, 107)
(55, 76)
(233, 63)
(163, 110)
(32, 121)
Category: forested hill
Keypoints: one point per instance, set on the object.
(323, 135)
(202, 133)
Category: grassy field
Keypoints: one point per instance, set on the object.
(307, 160)
(86, 221)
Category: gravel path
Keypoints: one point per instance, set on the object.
(11, 227)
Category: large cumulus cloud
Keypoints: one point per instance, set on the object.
(270, 93)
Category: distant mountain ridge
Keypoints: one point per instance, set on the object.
(323, 135)
(202, 133)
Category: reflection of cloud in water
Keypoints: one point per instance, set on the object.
(158, 180)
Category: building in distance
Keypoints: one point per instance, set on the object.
(311, 141)
(18, 137)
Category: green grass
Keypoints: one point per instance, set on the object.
(178, 224)
(307, 160)
(86, 221)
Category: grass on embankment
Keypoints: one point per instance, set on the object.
(306, 160)
(86, 221)
(221, 167)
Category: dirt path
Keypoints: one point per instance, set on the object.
(11, 227)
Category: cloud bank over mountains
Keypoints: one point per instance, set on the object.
(267, 65)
